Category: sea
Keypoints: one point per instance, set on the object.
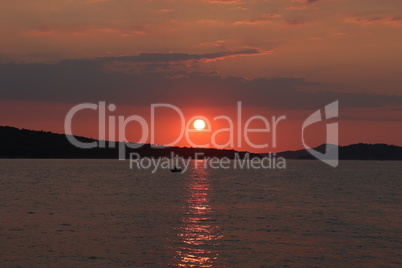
(101, 213)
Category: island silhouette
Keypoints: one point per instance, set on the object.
(24, 143)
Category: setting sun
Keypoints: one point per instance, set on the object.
(199, 124)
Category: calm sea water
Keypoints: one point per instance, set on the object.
(99, 213)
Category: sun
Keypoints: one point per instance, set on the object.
(199, 124)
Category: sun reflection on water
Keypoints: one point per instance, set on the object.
(198, 232)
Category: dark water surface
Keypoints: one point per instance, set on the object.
(99, 213)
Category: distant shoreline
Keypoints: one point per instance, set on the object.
(29, 144)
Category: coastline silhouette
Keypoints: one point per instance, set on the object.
(23, 143)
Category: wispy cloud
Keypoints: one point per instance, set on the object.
(82, 30)
(174, 57)
(388, 20)
(307, 1)
(227, 2)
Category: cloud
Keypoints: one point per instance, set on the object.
(227, 2)
(294, 22)
(390, 20)
(251, 22)
(218, 43)
(174, 57)
(271, 15)
(82, 30)
(263, 19)
(307, 1)
(88, 80)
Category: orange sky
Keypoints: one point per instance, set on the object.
(287, 57)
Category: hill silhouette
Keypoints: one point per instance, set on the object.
(24, 143)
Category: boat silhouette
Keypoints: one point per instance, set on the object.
(175, 169)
